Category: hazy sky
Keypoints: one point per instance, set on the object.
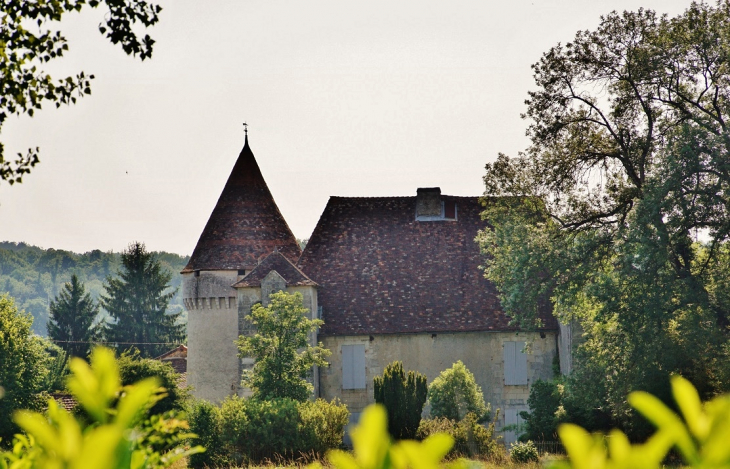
(369, 98)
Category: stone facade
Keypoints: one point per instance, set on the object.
(430, 354)
(213, 365)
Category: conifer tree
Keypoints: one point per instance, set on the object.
(71, 319)
(403, 397)
(137, 300)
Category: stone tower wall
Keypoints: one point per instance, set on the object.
(213, 364)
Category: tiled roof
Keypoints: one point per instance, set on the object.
(380, 271)
(275, 261)
(181, 351)
(245, 224)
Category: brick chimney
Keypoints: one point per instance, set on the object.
(428, 202)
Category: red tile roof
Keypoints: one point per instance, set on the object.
(380, 271)
(275, 261)
(245, 225)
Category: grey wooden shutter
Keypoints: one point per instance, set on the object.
(353, 367)
(358, 366)
(509, 363)
(347, 367)
(515, 364)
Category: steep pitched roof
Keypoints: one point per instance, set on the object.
(275, 261)
(381, 271)
(245, 224)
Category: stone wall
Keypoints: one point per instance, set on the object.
(481, 352)
(213, 367)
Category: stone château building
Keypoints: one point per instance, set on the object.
(393, 278)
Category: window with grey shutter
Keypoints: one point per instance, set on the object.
(515, 364)
(353, 367)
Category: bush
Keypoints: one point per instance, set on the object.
(246, 431)
(133, 368)
(322, 425)
(204, 420)
(546, 411)
(470, 438)
(403, 397)
(523, 452)
(455, 393)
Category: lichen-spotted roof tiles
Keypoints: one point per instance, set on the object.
(380, 271)
(245, 225)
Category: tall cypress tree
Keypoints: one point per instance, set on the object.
(137, 301)
(403, 397)
(71, 319)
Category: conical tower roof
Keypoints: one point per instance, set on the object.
(245, 225)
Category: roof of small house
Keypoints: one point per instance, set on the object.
(379, 270)
(275, 261)
(245, 224)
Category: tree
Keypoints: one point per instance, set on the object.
(455, 393)
(284, 357)
(618, 211)
(71, 323)
(137, 302)
(133, 368)
(24, 87)
(23, 366)
(403, 397)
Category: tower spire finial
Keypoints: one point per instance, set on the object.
(245, 128)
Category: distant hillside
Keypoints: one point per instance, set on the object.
(34, 276)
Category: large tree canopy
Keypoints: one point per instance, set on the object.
(619, 211)
(26, 44)
(72, 322)
(137, 300)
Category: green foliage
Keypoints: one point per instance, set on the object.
(32, 275)
(700, 434)
(403, 397)
(455, 393)
(372, 447)
(284, 357)
(24, 366)
(322, 425)
(134, 368)
(604, 213)
(25, 87)
(137, 301)
(71, 324)
(523, 452)
(205, 423)
(246, 431)
(471, 439)
(118, 436)
(546, 411)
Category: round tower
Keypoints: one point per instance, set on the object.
(245, 226)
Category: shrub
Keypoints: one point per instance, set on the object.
(133, 368)
(470, 438)
(455, 393)
(204, 419)
(251, 430)
(322, 425)
(546, 411)
(403, 397)
(523, 452)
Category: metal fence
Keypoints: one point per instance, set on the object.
(549, 447)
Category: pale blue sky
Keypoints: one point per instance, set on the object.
(343, 98)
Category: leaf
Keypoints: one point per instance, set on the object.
(665, 420)
(690, 405)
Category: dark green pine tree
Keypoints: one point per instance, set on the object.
(72, 317)
(137, 300)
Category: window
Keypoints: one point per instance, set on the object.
(515, 364)
(353, 367)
